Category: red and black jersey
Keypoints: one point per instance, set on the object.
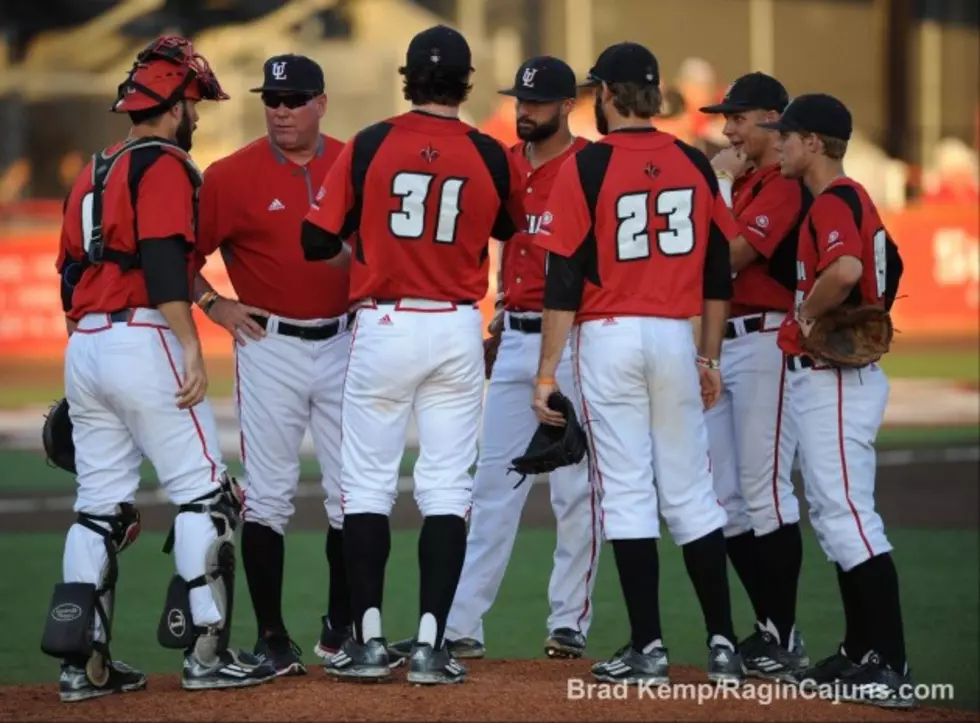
(422, 195)
(642, 213)
(843, 221)
(149, 192)
(769, 210)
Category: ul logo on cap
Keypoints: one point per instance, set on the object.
(279, 70)
(528, 77)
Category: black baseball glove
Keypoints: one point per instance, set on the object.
(56, 435)
(552, 447)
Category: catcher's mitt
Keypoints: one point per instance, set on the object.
(553, 447)
(851, 336)
(56, 436)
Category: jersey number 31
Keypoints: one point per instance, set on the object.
(414, 189)
(633, 224)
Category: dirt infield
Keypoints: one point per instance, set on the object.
(495, 691)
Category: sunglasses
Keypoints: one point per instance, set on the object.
(290, 100)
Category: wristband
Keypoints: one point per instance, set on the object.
(706, 363)
(206, 301)
(725, 182)
(541, 381)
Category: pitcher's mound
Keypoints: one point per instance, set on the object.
(519, 690)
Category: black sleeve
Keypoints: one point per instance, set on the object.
(164, 263)
(498, 166)
(318, 245)
(565, 280)
(71, 274)
(717, 267)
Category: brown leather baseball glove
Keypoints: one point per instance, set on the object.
(851, 336)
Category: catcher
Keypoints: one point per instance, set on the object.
(848, 271)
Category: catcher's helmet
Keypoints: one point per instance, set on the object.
(166, 72)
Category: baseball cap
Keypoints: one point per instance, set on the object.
(544, 79)
(814, 113)
(625, 63)
(439, 47)
(291, 74)
(755, 91)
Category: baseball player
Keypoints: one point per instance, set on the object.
(845, 257)
(291, 339)
(545, 91)
(639, 244)
(135, 382)
(422, 193)
(750, 430)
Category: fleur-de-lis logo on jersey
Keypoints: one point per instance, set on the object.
(429, 154)
(651, 170)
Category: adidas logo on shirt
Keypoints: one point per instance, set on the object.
(277, 205)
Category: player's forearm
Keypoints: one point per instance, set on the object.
(555, 326)
(831, 288)
(201, 286)
(714, 317)
(341, 260)
(741, 253)
(70, 326)
(181, 323)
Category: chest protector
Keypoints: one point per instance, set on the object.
(144, 153)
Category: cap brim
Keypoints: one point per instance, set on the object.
(725, 108)
(775, 126)
(280, 89)
(521, 94)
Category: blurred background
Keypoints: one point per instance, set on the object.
(908, 69)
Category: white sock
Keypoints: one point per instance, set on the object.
(427, 630)
(770, 627)
(371, 624)
(658, 643)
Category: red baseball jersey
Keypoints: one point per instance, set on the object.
(422, 195)
(769, 210)
(253, 203)
(843, 221)
(150, 194)
(642, 207)
(522, 262)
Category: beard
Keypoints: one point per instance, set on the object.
(601, 122)
(537, 132)
(185, 131)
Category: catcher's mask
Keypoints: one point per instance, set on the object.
(166, 72)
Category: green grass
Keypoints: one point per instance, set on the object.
(953, 364)
(939, 576)
(27, 470)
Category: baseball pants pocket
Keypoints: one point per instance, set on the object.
(609, 368)
(679, 435)
(839, 414)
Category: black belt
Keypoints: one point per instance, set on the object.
(117, 316)
(307, 333)
(528, 324)
(751, 326)
(796, 363)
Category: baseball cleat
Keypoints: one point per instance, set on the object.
(74, 685)
(565, 643)
(635, 667)
(765, 658)
(427, 666)
(725, 665)
(462, 649)
(230, 669)
(330, 639)
(876, 683)
(827, 671)
(281, 653)
(366, 661)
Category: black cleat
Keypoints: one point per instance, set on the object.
(330, 639)
(565, 643)
(229, 669)
(634, 667)
(765, 658)
(427, 666)
(356, 661)
(74, 685)
(875, 683)
(281, 653)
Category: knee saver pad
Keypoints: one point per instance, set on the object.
(176, 628)
(70, 626)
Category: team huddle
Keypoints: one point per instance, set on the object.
(668, 296)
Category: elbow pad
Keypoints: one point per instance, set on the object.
(318, 245)
(564, 283)
(165, 269)
(71, 274)
(717, 267)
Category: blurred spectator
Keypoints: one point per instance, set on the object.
(883, 177)
(581, 121)
(675, 116)
(954, 176)
(698, 84)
